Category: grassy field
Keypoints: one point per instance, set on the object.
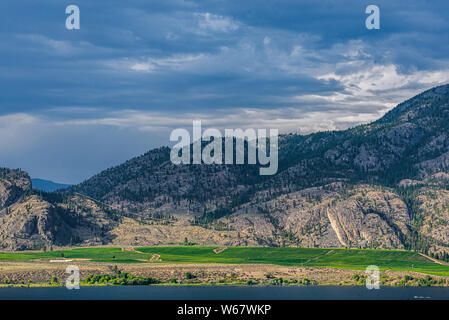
(309, 257)
(94, 254)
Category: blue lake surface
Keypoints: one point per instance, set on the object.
(225, 293)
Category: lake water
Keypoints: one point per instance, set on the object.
(226, 293)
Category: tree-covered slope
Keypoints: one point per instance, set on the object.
(379, 185)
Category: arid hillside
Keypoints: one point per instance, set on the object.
(380, 185)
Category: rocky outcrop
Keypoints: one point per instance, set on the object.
(13, 184)
(329, 216)
(29, 221)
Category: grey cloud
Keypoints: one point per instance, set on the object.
(138, 66)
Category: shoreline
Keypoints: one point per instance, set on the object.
(204, 284)
(214, 266)
(18, 274)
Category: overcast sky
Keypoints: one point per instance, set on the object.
(73, 103)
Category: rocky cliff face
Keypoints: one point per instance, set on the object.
(30, 224)
(30, 221)
(327, 216)
(380, 185)
(13, 184)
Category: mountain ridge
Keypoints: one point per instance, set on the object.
(47, 185)
(378, 185)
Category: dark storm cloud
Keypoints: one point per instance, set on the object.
(137, 68)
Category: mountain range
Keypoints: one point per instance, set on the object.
(47, 185)
(380, 185)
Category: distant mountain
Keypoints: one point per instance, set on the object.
(379, 185)
(47, 185)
